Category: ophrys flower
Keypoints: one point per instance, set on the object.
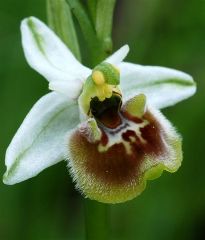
(104, 121)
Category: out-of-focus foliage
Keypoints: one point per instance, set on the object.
(170, 33)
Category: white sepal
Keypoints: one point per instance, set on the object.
(162, 86)
(48, 55)
(39, 142)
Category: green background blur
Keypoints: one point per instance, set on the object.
(159, 32)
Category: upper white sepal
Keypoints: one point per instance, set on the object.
(48, 55)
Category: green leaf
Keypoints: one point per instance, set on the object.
(92, 4)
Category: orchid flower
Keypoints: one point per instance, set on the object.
(105, 121)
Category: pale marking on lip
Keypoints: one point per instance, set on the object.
(116, 138)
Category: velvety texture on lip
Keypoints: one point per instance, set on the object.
(117, 162)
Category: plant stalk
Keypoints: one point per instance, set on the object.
(96, 28)
(96, 220)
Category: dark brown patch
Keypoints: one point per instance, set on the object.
(104, 139)
(110, 118)
(128, 134)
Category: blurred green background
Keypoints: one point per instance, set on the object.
(169, 33)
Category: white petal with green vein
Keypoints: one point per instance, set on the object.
(48, 55)
(163, 86)
(39, 142)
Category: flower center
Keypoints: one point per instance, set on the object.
(100, 86)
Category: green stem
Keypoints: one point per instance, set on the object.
(96, 220)
(60, 20)
(97, 32)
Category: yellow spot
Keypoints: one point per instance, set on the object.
(103, 91)
(98, 77)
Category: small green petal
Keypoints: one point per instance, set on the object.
(137, 105)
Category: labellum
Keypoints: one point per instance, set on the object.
(121, 146)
